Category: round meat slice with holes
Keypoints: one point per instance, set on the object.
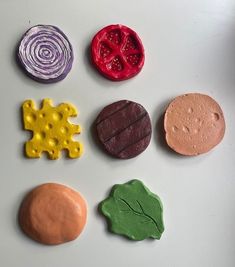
(117, 52)
(194, 124)
(124, 129)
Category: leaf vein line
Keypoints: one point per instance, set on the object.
(148, 216)
(136, 212)
(143, 214)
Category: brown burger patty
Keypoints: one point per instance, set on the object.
(124, 129)
(194, 124)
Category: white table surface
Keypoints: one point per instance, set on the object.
(190, 47)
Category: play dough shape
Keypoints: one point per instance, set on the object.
(194, 124)
(124, 129)
(45, 54)
(53, 214)
(117, 52)
(134, 211)
(51, 130)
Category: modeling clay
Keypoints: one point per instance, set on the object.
(45, 54)
(53, 214)
(51, 130)
(124, 129)
(133, 211)
(117, 52)
(194, 124)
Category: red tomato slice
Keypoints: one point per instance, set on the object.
(117, 52)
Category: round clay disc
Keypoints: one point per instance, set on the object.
(117, 52)
(45, 54)
(53, 214)
(124, 129)
(194, 124)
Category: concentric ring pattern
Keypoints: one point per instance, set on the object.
(45, 53)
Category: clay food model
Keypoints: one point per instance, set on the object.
(51, 130)
(194, 124)
(45, 54)
(53, 214)
(124, 129)
(117, 52)
(133, 211)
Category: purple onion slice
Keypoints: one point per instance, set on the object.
(45, 53)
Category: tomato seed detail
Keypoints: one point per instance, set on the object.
(116, 64)
(133, 59)
(115, 37)
(105, 50)
(131, 43)
(117, 52)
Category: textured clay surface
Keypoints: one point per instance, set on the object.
(124, 129)
(134, 211)
(194, 124)
(45, 54)
(53, 214)
(117, 52)
(51, 129)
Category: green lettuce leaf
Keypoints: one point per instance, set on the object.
(134, 211)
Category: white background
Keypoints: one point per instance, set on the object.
(190, 47)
